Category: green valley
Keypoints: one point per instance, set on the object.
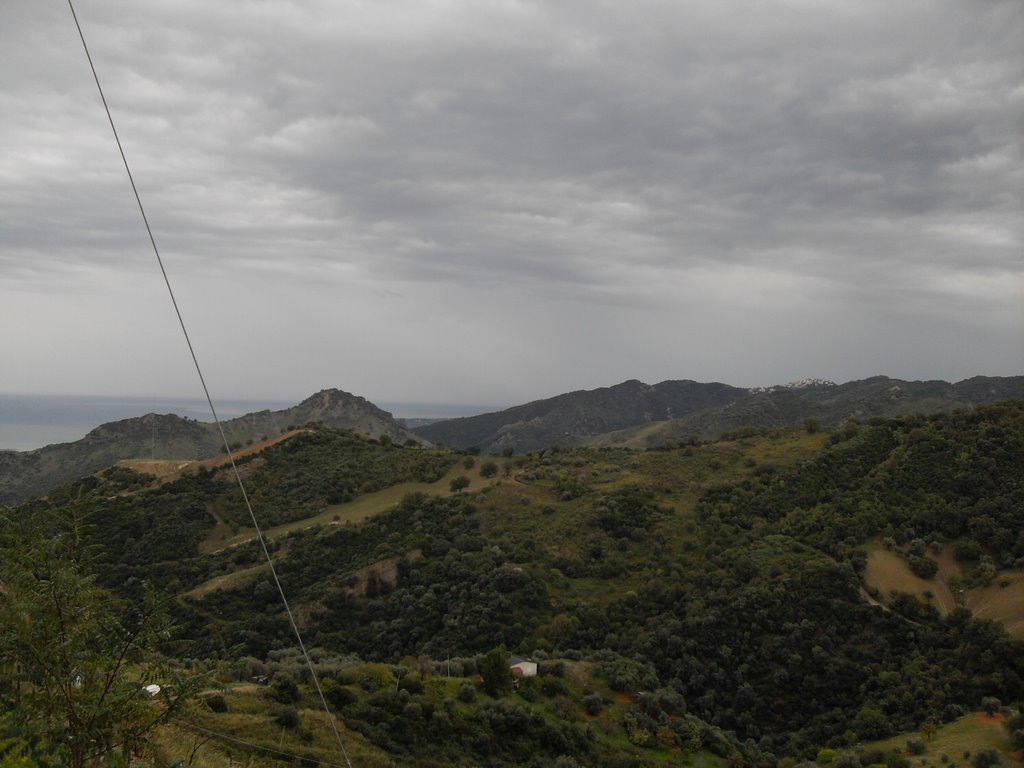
(751, 600)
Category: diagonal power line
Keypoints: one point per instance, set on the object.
(209, 400)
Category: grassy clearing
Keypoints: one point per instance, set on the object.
(1002, 600)
(786, 451)
(966, 736)
(232, 580)
(247, 735)
(887, 571)
(632, 437)
(168, 471)
(366, 506)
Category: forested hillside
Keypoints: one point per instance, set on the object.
(24, 474)
(641, 415)
(696, 599)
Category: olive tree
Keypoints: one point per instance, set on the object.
(79, 683)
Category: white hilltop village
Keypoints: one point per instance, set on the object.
(799, 384)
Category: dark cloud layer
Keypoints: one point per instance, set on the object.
(495, 201)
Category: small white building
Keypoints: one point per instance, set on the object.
(522, 667)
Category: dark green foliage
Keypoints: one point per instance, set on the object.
(745, 613)
(626, 674)
(337, 695)
(593, 703)
(484, 600)
(217, 703)
(325, 466)
(498, 732)
(154, 534)
(986, 758)
(126, 478)
(628, 512)
(924, 567)
(764, 634)
(284, 689)
(1015, 725)
(495, 671)
(72, 654)
(553, 668)
(287, 717)
(944, 477)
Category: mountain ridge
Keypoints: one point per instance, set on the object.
(167, 436)
(686, 408)
(631, 413)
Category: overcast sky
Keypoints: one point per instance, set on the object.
(495, 201)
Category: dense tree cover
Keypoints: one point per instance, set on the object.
(950, 476)
(774, 643)
(328, 466)
(73, 660)
(496, 732)
(494, 669)
(742, 611)
(766, 634)
(154, 533)
(451, 594)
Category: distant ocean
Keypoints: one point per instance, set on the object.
(33, 421)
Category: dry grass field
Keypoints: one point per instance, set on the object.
(888, 571)
(957, 741)
(168, 471)
(1002, 600)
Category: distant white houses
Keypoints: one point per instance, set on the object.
(522, 667)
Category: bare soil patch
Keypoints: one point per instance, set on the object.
(164, 471)
(985, 717)
(167, 471)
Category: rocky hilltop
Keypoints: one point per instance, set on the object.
(24, 474)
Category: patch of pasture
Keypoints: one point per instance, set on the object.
(888, 571)
(958, 742)
(1002, 600)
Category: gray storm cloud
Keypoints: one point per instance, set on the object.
(492, 202)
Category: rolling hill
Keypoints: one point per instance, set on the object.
(24, 474)
(641, 415)
(713, 603)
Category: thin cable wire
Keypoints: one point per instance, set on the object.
(209, 400)
(261, 748)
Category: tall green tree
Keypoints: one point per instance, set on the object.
(74, 661)
(496, 672)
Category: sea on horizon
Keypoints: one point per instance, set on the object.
(28, 422)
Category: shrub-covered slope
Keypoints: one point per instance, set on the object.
(725, 575)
